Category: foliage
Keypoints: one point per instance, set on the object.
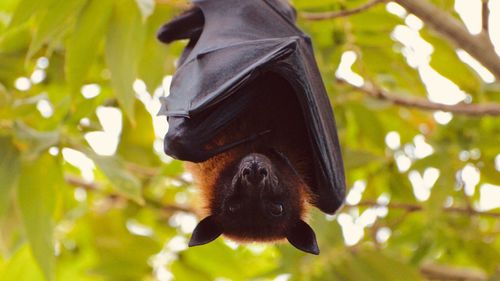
(129, 220)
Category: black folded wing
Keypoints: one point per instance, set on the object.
(231, 43)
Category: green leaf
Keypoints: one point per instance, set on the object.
(136, 142)
(26, 9)
(370, 127)
(23, 107)
(114, 169)
(12, 67)
(440, 191)
(56, 19)
(181, 271)
(9, 171)
(8, 5)
(157, 61)
(388, 268)
(355, 159)
(36, 195)
(239, 264)
(82, 48)
(124, 44)
(352, 268)
(423, 248)
(33, 142)
(21, 267)
(16, 40)
(114, 243)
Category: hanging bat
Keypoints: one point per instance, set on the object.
(248, 110)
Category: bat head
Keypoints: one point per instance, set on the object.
(261, 198)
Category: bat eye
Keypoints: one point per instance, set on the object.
(276, 209)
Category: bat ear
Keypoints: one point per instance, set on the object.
(302, 237)
(206, 231)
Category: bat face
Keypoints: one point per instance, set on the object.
(259, 199)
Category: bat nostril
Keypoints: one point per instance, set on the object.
(254, 173)
(246, 172)
(263, 172)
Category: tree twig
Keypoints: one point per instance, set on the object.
(79, 182)
(169, 207)
(478, 46)
(150, 172)
(141, 170)
(485, 16)
(415, 208)
(492, 109)
(439, 272)
(76, 181)
(337, 14)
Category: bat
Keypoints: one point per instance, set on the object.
(249, 113)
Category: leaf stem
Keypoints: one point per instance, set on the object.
(415, 208)
(338, 14)
(492, 109)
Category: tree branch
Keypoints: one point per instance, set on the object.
(478, 46)
(76, 181)
(415, 208)
(492, 109)
(79, 182)
(485, 15)
(149, 172)
(141, 170)
(439, 272)
(342, 13)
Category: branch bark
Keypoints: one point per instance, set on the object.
(478, 46)
(439, 272)
(76, 181)
(491, 109)
(416, 208)
(169, 208)
(485, 17)
(149, 172)
(339, 14)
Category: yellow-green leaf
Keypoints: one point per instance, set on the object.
(9, 171)
(26, 9)
(34, 142)
(56, 19)
(124, 43)
(21, 267)
(388, 268)
(36, 194)
(83, 44)
(114, 169)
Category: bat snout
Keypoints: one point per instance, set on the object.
(255, 168)
(255, 173)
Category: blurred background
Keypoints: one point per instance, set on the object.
(86, 192)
